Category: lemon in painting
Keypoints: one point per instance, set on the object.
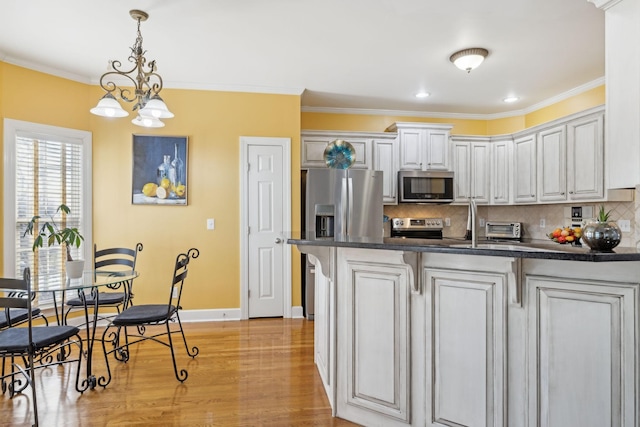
(180, 190)
(165, 183)
(162, 193)
(149, 189)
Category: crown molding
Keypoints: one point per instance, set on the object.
(604, 4)
(463, 116)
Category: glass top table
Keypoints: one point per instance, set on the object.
(91, 281)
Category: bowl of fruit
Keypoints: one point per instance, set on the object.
(566, 235)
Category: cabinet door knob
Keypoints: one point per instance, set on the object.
(562, 194)
(570, 192)
(533, 195)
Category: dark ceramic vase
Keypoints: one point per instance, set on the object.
(601, 236)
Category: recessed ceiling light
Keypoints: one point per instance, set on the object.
(422, 94)
(511, 99)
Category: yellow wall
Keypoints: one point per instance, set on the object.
(575, 104)
(375, 123)
(214, 123)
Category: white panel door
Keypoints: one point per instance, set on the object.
(552, 163)
(524, 169)
(411, 148)
(582, 358)
(585, 164)
(385, 159)
(500, 173)
(437, 147)
(466, 357)
(461, 166)
(266, 241)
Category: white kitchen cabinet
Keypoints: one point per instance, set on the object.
(315, 142)
(466, 358)
(386, 159)
(581, 352)
(552, 164)
(524, 169)
(585, 153)
(500, 171)
(470, 162)
(374, 374)
(623, 91)
(423, 146)
(324, 327)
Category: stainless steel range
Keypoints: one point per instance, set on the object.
(417, 228)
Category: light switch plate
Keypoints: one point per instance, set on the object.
(625, 225)
(211, 225)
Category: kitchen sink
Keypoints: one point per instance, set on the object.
(495, 246)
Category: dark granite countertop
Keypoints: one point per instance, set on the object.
(540, 249)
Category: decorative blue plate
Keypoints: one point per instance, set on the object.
(339, 154)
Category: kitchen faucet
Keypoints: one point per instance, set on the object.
(471, 222)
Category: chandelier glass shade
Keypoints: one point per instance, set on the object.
(469, 59)
(144, 79)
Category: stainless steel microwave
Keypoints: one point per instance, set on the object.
(425, 186)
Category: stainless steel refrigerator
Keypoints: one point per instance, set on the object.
(340, 204)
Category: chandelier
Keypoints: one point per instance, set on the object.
(146, 82)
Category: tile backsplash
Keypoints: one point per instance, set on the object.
(529, 215)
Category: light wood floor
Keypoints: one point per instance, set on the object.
(248, 373)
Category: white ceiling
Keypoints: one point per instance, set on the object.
(344, 54)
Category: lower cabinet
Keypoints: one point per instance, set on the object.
(582, 353)
(374, 375)
(466, 348)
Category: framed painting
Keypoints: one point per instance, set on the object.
(159, 170)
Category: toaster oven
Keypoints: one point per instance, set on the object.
(503, 230)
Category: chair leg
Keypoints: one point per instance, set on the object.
(33, 388)
(194, 350)
(183, 374)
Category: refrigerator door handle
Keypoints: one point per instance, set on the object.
(344, 200)
(349, 205)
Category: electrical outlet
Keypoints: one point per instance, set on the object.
(543, 223)
(625, 225)
(175, 293)
(447, 222)
(481, 222)
(211, 224)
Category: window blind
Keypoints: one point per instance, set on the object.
(49, 172)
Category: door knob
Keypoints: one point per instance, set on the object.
(278, 240)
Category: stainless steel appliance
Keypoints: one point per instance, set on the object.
(337, 204)
(417, 228)
(425, 186)
(503, 230)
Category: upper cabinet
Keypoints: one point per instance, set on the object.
(423, 146)
(562, 161)
(623, 91)
(524, 169)
(501, 167)
(470, 162)
(373, 150)
(315, 142)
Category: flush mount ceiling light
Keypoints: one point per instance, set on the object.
(468, 59)
(146, 82)
(510, 99)
(422, 94)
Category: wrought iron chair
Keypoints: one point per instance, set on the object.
(142, 316)
(118, 259)
(13, 317)
(33, 344)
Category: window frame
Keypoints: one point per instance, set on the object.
(13, 128)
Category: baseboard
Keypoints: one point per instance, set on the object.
(208, 315)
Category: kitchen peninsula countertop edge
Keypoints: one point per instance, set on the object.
(531, 249)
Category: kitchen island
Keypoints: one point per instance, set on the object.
(436, 333)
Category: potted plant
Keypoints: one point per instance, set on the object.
(53, 233)
(602, 234)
